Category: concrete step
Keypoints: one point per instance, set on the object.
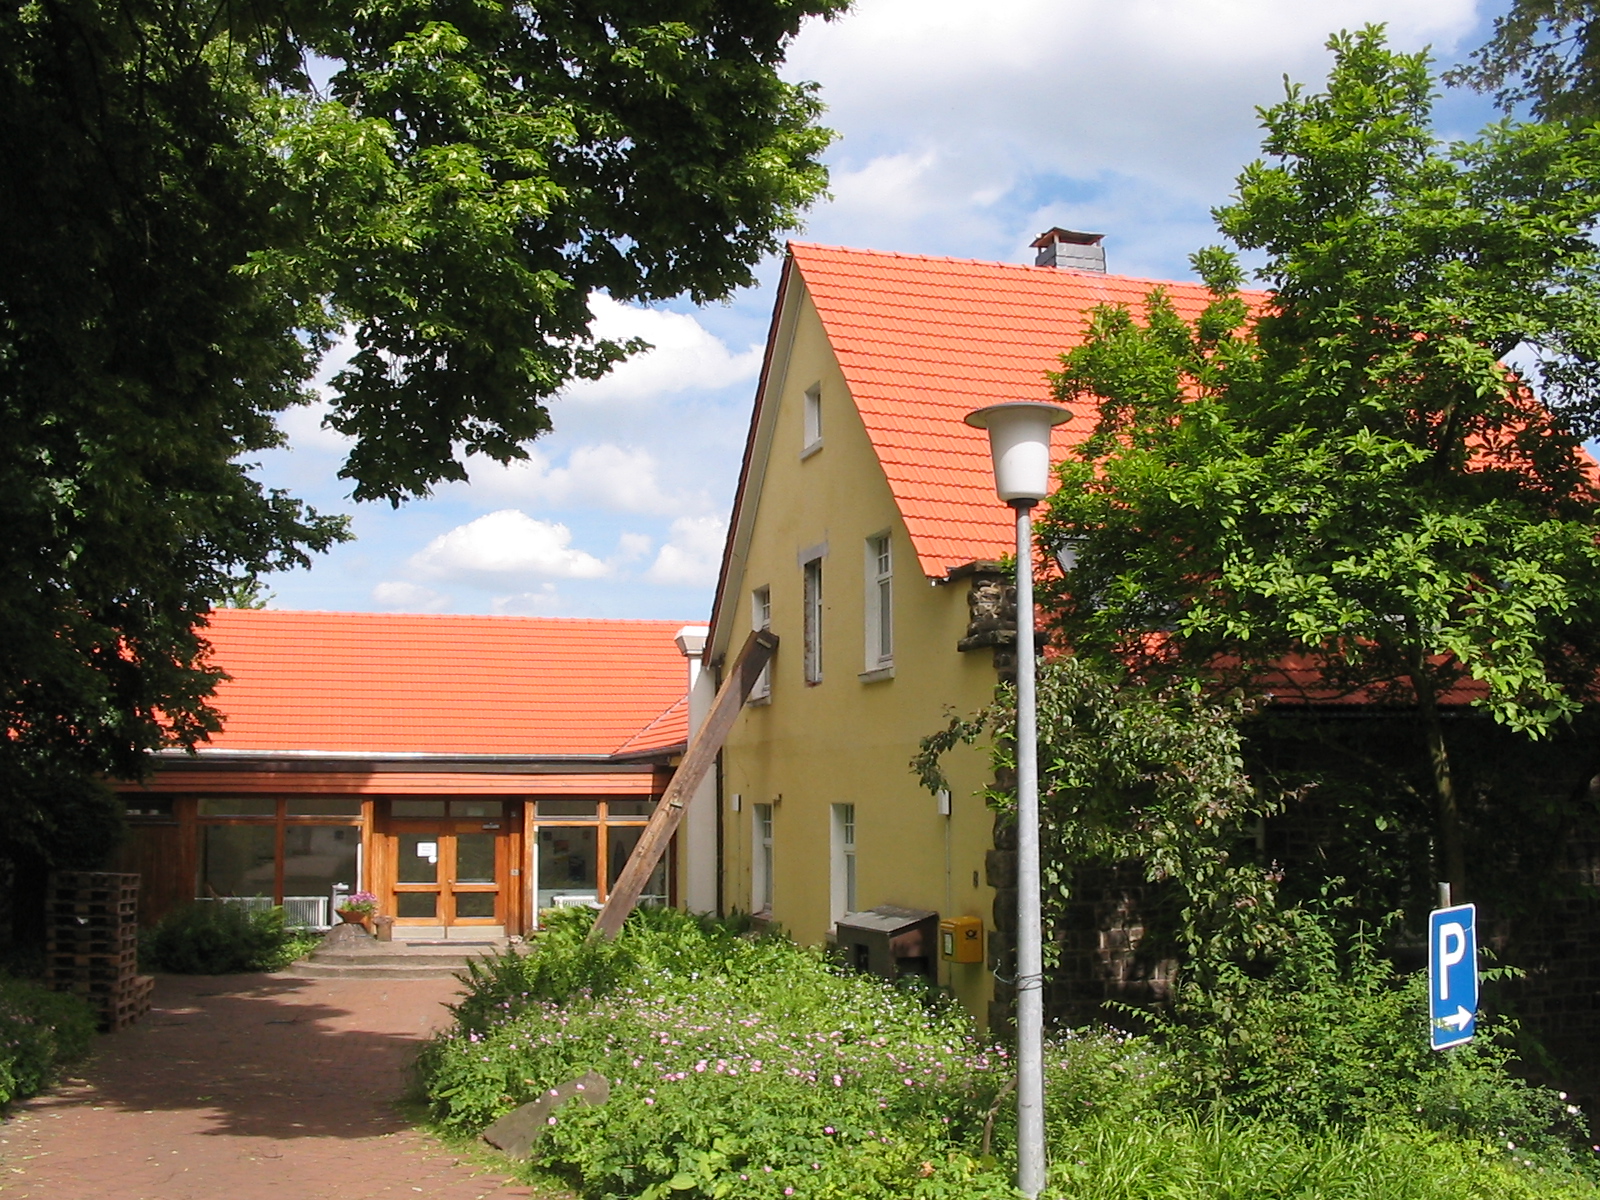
(307, 969)
(387, 958)
(349, 952)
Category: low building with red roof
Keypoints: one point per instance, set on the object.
(468, 770)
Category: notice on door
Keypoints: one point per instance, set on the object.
(428, 850)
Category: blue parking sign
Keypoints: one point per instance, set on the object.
(1452, 975)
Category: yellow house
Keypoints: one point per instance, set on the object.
(866, 533)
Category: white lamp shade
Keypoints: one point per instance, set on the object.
(1019, 440)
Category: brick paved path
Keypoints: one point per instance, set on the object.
(246, 1087)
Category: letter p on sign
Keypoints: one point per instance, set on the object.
(1452, 949)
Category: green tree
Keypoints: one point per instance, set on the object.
(1340, 485)
(1544, 53)
(199, 198)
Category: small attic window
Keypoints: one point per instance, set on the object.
(812, 437)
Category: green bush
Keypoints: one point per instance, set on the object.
(1334, 1038)
(39, 1031)
(740, 1066)
(745, 1066)
(222, 939)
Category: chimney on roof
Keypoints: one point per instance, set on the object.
(1070, 250)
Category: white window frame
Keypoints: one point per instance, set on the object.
(842, 867)
(811, 421)
(811, 599)
(761, 859)
(761, 618)
(879, 606)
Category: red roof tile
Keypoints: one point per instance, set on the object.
(924, 341)
(389, 683)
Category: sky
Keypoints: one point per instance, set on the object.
(965, 129)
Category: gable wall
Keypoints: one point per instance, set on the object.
(845, 739)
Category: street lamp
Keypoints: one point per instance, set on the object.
(1019, 439)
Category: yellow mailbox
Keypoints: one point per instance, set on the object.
(961, 939)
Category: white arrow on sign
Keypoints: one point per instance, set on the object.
(1459, 1020)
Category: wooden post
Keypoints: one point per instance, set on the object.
(698, 759)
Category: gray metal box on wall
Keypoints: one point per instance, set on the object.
(890, 941)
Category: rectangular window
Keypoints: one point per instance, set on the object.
(813, 621)
(761, 618)
(880, 602)
(813, 419)
(294, 851)
(842, 875)
(761, 860)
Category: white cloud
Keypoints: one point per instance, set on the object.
(947, 107)
(504, 544)
(692, 555)
(604, 476)
(685, 356)
(631, 547)
(397, 595)
(541, 602)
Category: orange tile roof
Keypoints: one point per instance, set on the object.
(388, 683)
(924, 341)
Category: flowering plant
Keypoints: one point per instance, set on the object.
(361, 902)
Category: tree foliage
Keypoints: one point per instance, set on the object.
(1342, 484)
(1544, 53)
(1128, 773)
(199, 198)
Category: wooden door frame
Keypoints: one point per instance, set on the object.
(384, 858)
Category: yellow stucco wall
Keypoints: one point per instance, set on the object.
(845, 740)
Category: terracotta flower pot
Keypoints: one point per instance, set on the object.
(352, 916)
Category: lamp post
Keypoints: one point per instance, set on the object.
(1019, 439)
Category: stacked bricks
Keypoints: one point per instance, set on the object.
(92, 943)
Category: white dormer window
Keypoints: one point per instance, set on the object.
(880, 602)
(812, 434)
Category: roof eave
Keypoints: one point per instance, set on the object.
(204, 759)
(752, 469)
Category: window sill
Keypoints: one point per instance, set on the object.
(807, 451)
(764, 699)
(878, 675)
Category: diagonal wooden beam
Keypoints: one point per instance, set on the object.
(698, 759)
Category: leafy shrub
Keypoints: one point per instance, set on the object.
(39, 1030)
(740, 1066)
(1334, 1037)
(748, 1067)
(222, 939)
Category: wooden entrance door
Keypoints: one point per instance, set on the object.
(449, 873)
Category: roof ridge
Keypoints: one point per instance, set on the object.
(1060, 272)
(488, 617)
